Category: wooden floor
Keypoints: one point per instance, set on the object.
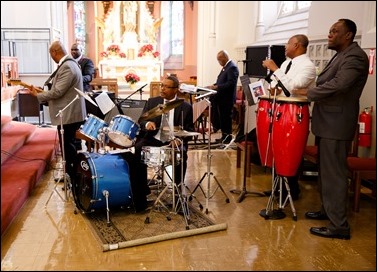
(52, 237)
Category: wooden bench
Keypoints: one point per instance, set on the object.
(111, 83)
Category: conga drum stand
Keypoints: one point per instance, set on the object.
(270, 212)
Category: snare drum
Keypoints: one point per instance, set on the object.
(123, 130)
(97, 175)
(92, 126)
(264, 130)
(157, 156)
(289, 133)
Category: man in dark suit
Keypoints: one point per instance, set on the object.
(334, 121)
(151, 134)
(222, 102)
(62, 93)
(86, 64)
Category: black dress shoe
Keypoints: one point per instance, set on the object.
(316, 215)
(325, 232)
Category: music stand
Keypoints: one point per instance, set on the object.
(243, 193)
(209, 156)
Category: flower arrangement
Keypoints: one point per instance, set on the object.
(132, 78)
(113, 50)
(148, 49)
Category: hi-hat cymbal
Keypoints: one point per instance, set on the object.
(160, 109)
(184, 133)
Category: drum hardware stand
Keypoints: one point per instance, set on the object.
(102, 132)
(106, 195)
(174, 186)
(243, 193)
(270, 212)
(65, 199)
(209, 173)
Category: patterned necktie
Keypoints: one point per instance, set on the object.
(288, 67)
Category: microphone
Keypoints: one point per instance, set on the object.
(286, 92)
(268, 77)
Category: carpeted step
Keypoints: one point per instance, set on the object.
(13, 136)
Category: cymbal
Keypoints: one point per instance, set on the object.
(184, 133)
(160, 109)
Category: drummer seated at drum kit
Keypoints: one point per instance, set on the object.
(156, 132)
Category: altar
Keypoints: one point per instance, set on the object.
(130, 45)
(147, 69)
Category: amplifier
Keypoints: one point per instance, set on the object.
(132, 108)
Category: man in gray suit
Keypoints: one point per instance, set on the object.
(334, 121)
(66, 79)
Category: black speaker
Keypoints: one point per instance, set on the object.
(255, 55)
(133, 108)
(28, 104)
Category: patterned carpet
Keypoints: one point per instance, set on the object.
(126, 228)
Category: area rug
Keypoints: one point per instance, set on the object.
(126, 228)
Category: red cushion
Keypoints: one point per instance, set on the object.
(360, 164)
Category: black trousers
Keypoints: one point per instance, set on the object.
(71, 145)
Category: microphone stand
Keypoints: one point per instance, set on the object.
(138, 90)
(60, 114)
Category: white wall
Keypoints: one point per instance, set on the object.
(321, 16)
(36, 14)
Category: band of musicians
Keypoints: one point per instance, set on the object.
(136, 136)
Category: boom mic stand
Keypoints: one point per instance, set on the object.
(209, 173)
(60, 114)
(138, 90)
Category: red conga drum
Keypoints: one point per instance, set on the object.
(289, 133)
(264, 129)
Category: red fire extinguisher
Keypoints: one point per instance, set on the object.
(365, 128)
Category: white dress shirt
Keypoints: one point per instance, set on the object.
(302, 73)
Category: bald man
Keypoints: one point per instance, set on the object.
(222, 102)
(86, 65)
(62, 93)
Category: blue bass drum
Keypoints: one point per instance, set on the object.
(98, 174)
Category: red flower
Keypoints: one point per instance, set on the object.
(147, 48)
(113, 48)
(132, 78)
